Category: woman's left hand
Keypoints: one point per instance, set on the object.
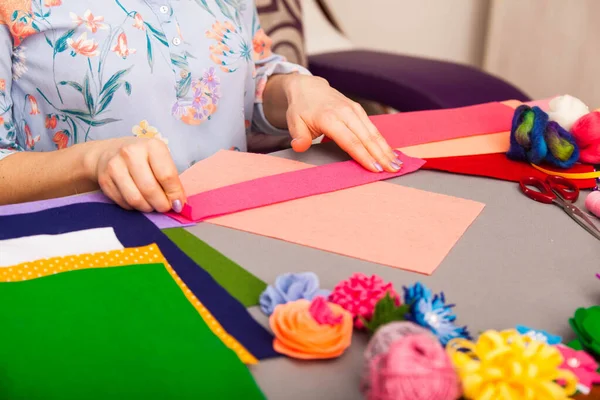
(315, 109)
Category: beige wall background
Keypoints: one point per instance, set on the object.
(545, 47)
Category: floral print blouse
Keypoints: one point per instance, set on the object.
(189, 72)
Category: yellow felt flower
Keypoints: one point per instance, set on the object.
(506, 365)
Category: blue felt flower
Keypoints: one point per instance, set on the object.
(432, 312)
(290, 287)
(541, 336)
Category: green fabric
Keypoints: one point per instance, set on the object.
(112, 333)
(241, 284)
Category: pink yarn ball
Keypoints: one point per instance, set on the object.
(592, 203)
(416, 367)
(586, 132)
(359, 294)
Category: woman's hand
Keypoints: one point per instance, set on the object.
(314, 108)
(136, 173)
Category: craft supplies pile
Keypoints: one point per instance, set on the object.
(418, 351)
(99, 302)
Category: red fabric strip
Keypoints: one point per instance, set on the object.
(498, 166)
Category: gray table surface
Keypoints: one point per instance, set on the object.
(521, 262)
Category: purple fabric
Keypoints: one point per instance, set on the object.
(160, 220)
(410, 83)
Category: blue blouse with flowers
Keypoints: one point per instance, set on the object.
(189, 72)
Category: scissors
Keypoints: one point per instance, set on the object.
(562, 192)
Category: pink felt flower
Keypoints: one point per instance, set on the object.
(581, 364)
(359, 294)
(320, 311)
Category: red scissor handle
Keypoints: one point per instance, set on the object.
(544, 193)
(567, 189)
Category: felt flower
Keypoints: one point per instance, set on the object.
(290, 287)
(508, 365)
(586, 325)
(299, 335)
(582, 365)
(321, 312)
(432, 312)
(359, 294)
(538, 335)
(52, 3)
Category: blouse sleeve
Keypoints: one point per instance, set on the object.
(8, 129)
(266, 64)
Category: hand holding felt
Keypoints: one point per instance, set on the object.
(316, 109)
(298, 334)
(282, 187)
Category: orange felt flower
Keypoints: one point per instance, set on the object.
(2, 85)
(299, 335)
(52, 3)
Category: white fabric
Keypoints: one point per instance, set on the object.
(32, 248)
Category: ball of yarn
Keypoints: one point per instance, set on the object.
(592, 203)
(565, 110)
(533, 139)
(406, 362)
(586, 132)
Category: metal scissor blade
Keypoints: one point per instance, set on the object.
(581, 218)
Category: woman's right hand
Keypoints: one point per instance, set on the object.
(136, 173)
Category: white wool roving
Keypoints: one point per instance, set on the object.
(566, 110)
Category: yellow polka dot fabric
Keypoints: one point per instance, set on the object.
(139, 255)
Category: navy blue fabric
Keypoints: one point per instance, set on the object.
(135, 230)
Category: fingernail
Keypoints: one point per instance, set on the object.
(395, 165)
(378, 167)
(177, 206)
(398, 161)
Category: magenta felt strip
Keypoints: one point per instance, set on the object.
(413, 128)
(285, 187)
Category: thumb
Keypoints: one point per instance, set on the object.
(300, 133)
(167, 176)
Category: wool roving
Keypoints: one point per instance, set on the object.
(586, 132)
(533, 138)
(565, 110)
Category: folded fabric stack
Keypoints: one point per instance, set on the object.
(98, 303)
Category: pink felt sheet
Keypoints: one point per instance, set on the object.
(421, 127)
(378, 222)
(283, 187)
